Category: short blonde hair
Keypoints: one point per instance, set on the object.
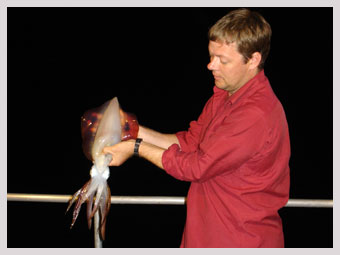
(248, 29)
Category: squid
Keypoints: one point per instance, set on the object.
(100, 127)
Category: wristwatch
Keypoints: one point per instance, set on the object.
(137, 144)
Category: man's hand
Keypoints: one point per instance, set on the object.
(120, 152)
(124, 150)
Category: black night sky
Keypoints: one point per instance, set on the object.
(64, 61)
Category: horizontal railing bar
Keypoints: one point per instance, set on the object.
(161, 200)
(322, 203)
(38, 198)
(114, 199)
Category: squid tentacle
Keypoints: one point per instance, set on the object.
(97, 201)
(81, 195)
(97, 195)
(74, 197)
(104, 209)
(89, 210)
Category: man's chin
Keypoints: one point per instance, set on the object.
(220, 85)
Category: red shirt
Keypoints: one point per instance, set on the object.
(236, 157)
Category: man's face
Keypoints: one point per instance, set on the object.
(228, 67)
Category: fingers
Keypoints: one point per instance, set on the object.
(120, 152)
(107, 150)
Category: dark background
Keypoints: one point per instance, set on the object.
(64, 61)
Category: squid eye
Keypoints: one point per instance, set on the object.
(127, 127)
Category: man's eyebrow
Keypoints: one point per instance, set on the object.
(218, 55)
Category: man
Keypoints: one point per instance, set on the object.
(236, 154)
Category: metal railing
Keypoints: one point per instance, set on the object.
(155, 200)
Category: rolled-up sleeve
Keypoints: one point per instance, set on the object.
(189, 140)
(234, 142)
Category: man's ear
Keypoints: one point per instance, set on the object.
(255, 60)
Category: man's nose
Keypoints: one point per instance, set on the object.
(212, 65)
